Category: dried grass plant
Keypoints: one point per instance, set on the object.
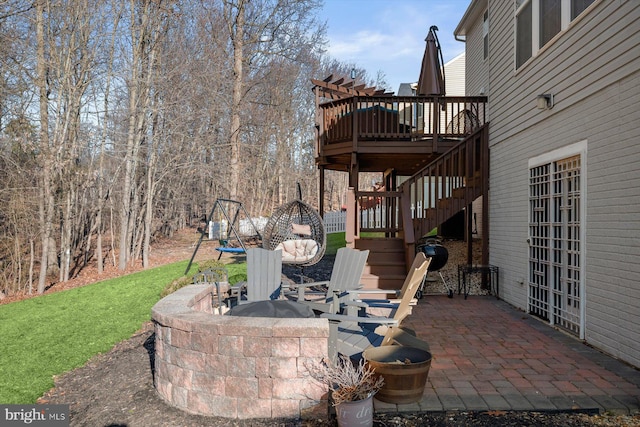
(349, 382)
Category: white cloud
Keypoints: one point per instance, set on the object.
(388, 36)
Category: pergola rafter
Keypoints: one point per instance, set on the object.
(340, 87)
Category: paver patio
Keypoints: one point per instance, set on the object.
(488, 355)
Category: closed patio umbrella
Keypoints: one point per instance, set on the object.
(431, 81)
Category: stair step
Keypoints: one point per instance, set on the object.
(379, 244)
(385, 267)
(385, 270)
(379, 258)
(386, 282)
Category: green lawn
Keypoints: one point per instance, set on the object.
(335, 241)
(55, 333)
(51, 334)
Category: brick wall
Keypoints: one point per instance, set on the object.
(236, 367)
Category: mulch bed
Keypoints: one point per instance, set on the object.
(116, 389)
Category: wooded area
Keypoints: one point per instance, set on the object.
(122, 120)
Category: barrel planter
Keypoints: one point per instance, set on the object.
(404, 370)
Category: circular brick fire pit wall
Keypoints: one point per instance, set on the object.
(236, 367)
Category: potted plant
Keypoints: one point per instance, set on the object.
(352, 387)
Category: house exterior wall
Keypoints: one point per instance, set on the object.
(477, 79)
(455, 76)
(592, 69)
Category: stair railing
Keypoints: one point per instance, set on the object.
(445, 186)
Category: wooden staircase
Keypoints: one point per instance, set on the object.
(438, 192)
(386, 268)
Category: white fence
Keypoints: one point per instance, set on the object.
(335, 222)
(245, 227)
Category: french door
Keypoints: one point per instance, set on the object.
(555, 270)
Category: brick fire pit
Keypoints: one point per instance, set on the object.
(236, 367)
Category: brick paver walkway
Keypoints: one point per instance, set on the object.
(487, 355)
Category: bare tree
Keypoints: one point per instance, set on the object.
(261, 32)
(116, 136)
(47, 205)
(147, 23)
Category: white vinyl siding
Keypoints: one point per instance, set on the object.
(485, 34)
(593, 70)
(454, 74)
(477, 82)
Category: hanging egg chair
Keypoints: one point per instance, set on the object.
(297, 229)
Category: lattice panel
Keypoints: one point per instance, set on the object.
(539, 225)
(554, 246)
(566, 244)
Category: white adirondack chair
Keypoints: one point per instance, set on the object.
(264, 277)
(345, 276)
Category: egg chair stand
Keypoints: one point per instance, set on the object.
(298, 230)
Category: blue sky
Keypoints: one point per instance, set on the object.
(388, 35)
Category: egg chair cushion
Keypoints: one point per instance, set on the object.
(298, 250)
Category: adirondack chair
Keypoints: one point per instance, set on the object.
(351, 335)
(264, 277)
(361, 295)
(345, 275)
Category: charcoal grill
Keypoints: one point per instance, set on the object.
(432, 248)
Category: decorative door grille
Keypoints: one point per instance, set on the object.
(554, 243)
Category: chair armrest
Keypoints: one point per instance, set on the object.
(238, 286)
(302, 286)
(357, 319)
(387, 303)
(310, 285)
(374, 291)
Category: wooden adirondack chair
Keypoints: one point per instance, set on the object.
(345, 275)
(365, 297)
(264, 276)
(351, 335)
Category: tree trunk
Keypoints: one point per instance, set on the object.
(102, 172)
(46, 193)
(238, 45)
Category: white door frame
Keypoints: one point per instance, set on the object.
(578, 148)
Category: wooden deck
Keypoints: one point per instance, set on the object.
(438, 143)
(406, 133)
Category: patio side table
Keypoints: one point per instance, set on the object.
(466, 270)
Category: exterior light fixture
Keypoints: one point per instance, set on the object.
(545, 101)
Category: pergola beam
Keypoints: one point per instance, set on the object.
(341, 87)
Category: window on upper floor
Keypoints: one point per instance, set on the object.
(579, 6)
(539, 21)
(485, 33)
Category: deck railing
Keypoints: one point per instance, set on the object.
(447, 185)
(402, 118)
(430, 197)
(378, 211)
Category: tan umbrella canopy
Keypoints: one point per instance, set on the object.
(431, 81)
